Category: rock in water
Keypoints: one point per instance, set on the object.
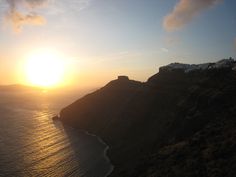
(55, 118)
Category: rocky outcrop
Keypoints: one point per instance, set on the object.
(123, 78)
(177, 123)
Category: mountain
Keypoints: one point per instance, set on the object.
(17, 88)
(181, 122)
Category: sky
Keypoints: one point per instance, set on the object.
(101, 39)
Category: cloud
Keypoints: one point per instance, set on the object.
(24, 12)
(165, 50)
(36, 3)
(185, 11)
(18, 19)
(27, 3)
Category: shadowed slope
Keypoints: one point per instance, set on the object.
(165, 115)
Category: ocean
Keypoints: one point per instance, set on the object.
(32, 144)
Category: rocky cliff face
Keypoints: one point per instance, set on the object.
(177, 123)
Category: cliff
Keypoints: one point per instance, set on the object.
(181, 122)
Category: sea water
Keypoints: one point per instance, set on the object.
(32, 144)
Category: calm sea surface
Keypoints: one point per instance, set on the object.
(31, 144)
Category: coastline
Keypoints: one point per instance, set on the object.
(105, 152)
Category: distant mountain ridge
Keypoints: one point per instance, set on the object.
(17, 87)
(181, 122)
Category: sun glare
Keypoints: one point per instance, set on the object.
(45, 69)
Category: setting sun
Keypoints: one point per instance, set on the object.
(45, 69)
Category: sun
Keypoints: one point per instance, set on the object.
(45, 68)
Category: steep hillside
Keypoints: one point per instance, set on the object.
(181, 122)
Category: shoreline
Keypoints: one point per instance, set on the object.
(105, 152)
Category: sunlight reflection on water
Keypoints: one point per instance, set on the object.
(31, 144)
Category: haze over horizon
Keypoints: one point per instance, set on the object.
(98, 40)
